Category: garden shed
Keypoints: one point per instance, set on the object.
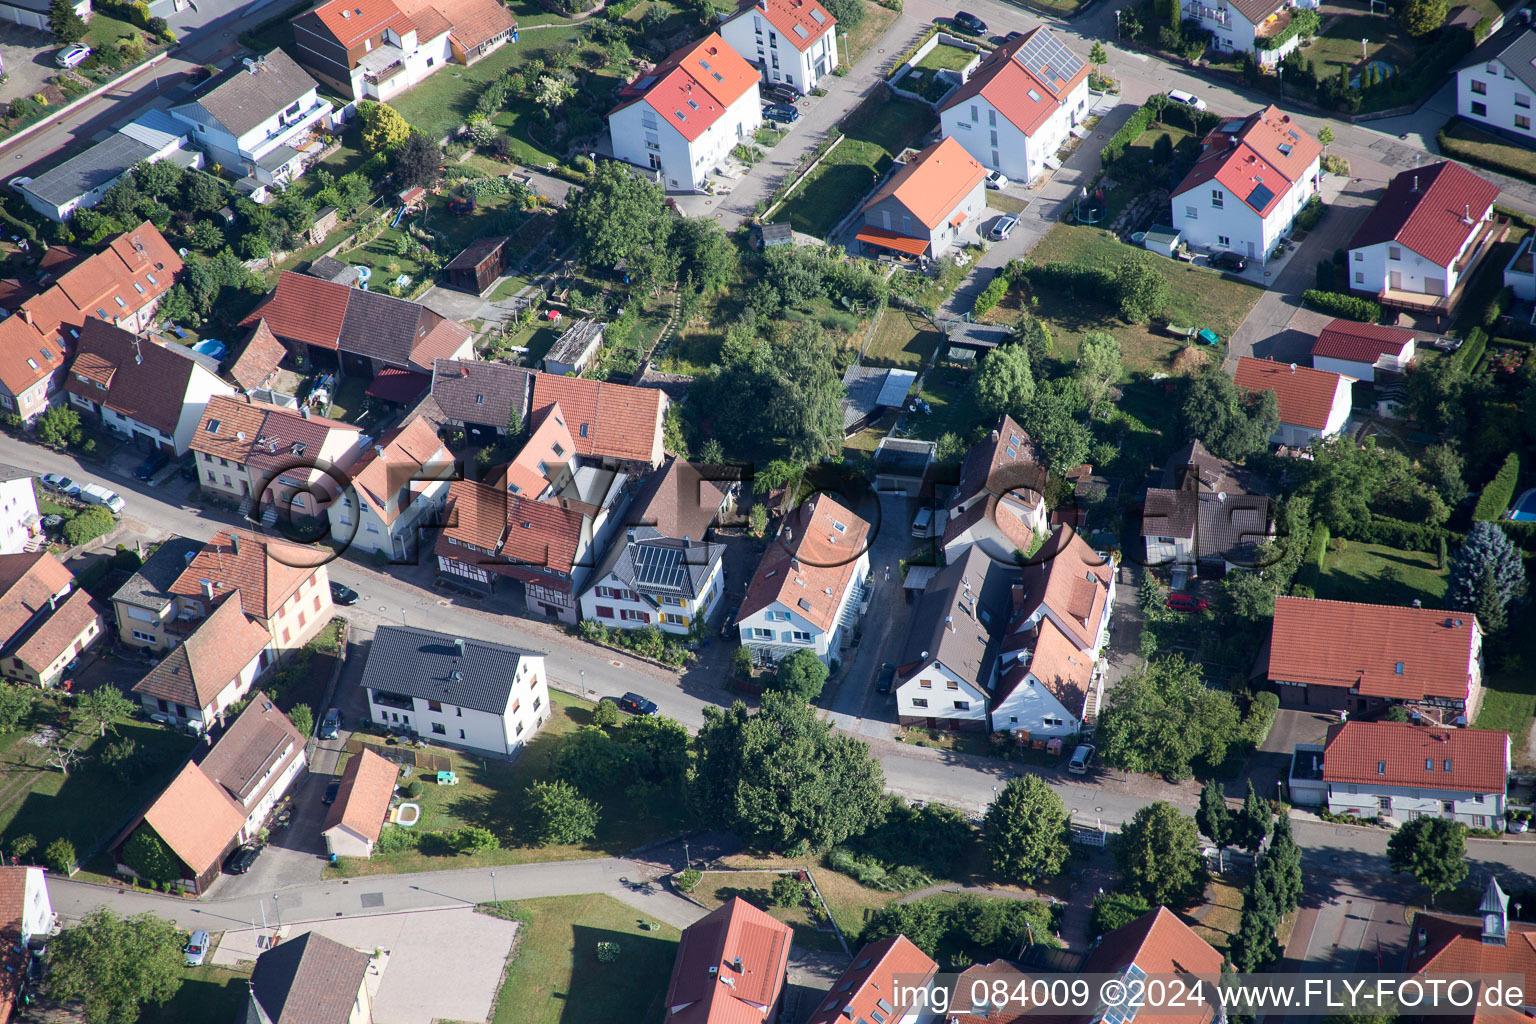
(476, 268)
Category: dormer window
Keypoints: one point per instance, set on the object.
(213, 426)
(1381, 767)
(1429, 764)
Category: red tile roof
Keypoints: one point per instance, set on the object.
(1387, 651)
(476, 516)
(196, 817)
(1026, 94)
(272, 438)
(1072, 581)
(26, 354)
(367, 785)
(1305, 395)
(692, 87)
(542, 533)
(304, 309)
(1401, 754)
(1257, 158)
(1361, 343)
(874, 977)
(412, 457)
(27, 581)
(811, 571)
(607, 420)
(474, 22)
(265, 571)
(1454, 945)
(1158, 943)
(1427, 210)
(802, 22)
(350, 22)
(707, 988)
(211, 658)
(60, 631)
(933, 182)
(257, 363)
(548, 449)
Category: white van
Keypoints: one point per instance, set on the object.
(95, 494)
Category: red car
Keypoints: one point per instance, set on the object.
(1187, 603)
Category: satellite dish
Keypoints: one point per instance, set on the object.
(182, 253)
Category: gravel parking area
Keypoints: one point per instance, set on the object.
(28, 56)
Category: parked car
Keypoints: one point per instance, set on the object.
(997, 179)
(1228, 261)
(929, 522)
(1447, 344)
(242, 860)
(60, 484)
(638, 705)
(151, 465)
(1004, 226)
(330, 725)
(343, 595)
(1517, 825)
(95, 494)
(196, 948)
(1080, 759)
(728, 624)
(188, 473)
(1187, 603)
(781, 112)
(887, 678)
(779, 93)
(73, 56)
(968, 22)
(1187, 99)
(330, 792)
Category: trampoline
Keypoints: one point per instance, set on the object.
(1089, 208)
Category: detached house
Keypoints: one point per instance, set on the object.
(1362, 350)
(280, 460)
(682, 118)
(361, 332)
(313, 979)
(730, 968)
(1242, 26)
(1485, 941)
(458, 691)
(808, 590)
(398, 487)
(1202, 517)
(1157, 944)
(1401, 771)
(123, 283)
(1495, 83)
(261, 119)
(1348, 657)
(213, 668)
(369, 49)
(1423, 238)
(150, 392)
(45, 623)
(1000, 500)
(1313, 403)
(1019, 105)
(789, 41)
(217, 803)
(931, 204)
(1254, 175)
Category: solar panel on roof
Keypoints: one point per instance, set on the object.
(1045, 55)
(1123, 1011)
(660, 567)
(1260, 197)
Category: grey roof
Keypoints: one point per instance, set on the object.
(568, 348)
(976, 336)
(776, 234)
(1231, 526)
(150, 586)
(309, 979)
(242, 99)
(155, 128)
(962, 610)
(97, 166)
(493, 394)
(1213, 472)
(898, 384)
(328, 268)
(653, 565)
(1169, 513)
(1514, 46)
(903, 456)
(423, 663)
(861, 392)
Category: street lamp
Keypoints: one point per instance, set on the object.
(279, 907)
(494, 897)
(1117, 24)
(688, 861)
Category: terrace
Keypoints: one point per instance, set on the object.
(1490, 234)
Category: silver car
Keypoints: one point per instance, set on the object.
(1004, 227)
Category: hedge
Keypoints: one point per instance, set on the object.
(1399, 533)
(1317, 555)
(1304, 22)
(901, 62)
(1495, 499)
(1471, 351)
(992, 294)
(1496, 307)
(1129, 132)
(1522, 533)
(1350, 307)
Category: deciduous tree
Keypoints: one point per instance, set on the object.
(383, 127)
(1098, 367)
(1140, 287)
(1159, 855)
(1433, 850)
(1421, 17)
(116, 965)
(416, 160)
(1025, 830)
(1231, 423)
(557, 813)
(15, 706)
(104, 707)
(1163, 719)
(1003, 383)
(802, 674)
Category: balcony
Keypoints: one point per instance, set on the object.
(392, 700)
(1208, 15)
(384, 74)
(1489, 233)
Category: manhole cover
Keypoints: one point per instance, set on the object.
(1098, 810)
(373, 899)
(620, 664)
(443, 603)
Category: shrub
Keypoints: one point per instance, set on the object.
(607, 952)
(148, 855)
(606, 714)
(87, 525)
(873, 873)
(473, 839)
(1129, 132)
(60, 856)
(1308, 216)
(1471, 351)
(1261, 717)
(1351, 307)
(413, 789)
(395, 839)
(991, 295)
(741, 662)
(688, 880)
(789, 891)
(1500, 491)
(1496, 308)
(1116, 910)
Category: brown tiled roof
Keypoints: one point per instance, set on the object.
(1159, 944)
(411, 453)
(304, 309)
(678, 501)
(542, 533)
(309, 979)
(265, 571)
(607, 420)
(145, 380)
(886, 971)
(1402, 754)
(59, 630)
(196, 817)
(1007, 446)
(194, 673)
(810, 571)
(270, 437)
(1387, 651)
(362, 801)
(493, 394)
(1072, 581)
(135, 269)
(255, 749)
(1168, 513)
(729, 996)
(27, 581)
(477, 516)
(257, 363)
(1305, 395)
(475, 22)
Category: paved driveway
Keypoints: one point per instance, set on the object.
(294, 856)
(433, 965)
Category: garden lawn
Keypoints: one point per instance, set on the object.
(851, 904)
(554, 977)
(876, 22)
(1195, 295)
(440, 104)
(718, 887)
(104, 31)
(1509, 685)
(207, 993)
(1470, 143)
(1217, 918)
(850, 170)
(521, 119)
(1339, 46)
(947, 389)
(946, 57)
(902, 339)
(1376, 574)
(490, 795)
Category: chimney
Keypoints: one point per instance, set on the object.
(1293, 367)
(26, 314)
(378, 450)
(234, 543)
(736, 963)
(459, 643)
(207, 590)
(949, 623)
(1415, 183)
(304, 411)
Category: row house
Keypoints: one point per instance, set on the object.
(398, 487)
(793, 42)
(999, 501)
(487, 401)
(216, 666)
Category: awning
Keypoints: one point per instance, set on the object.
(402, 386)
(891, 240)
(957, 219)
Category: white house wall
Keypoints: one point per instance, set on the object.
(18, 503)
(1371, 267)
(37, 908)
(1028, 707)
(257, 812)
(527, 709)
(640, 133)
(752, 35)
(941, 699)
(1479, 810)
(1505, 105)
